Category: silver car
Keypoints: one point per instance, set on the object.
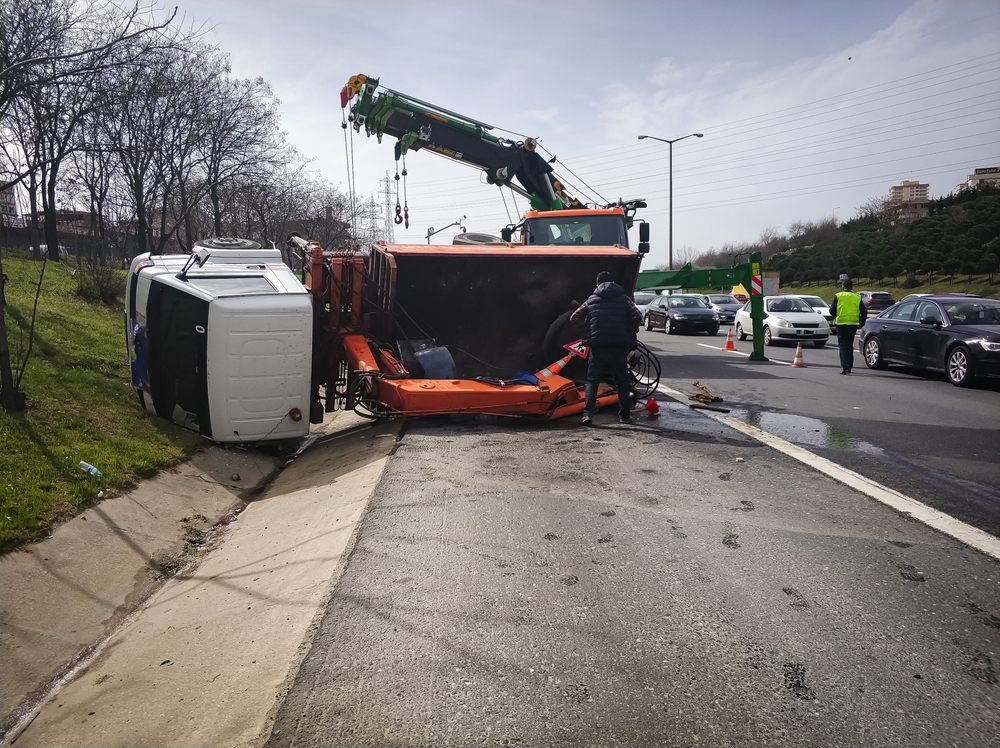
(786, 318)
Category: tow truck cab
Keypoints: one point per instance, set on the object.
(220, 341)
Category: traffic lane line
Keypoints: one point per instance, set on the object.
(770, 358)
(960, 531)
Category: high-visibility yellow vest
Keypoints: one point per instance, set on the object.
(848, 308)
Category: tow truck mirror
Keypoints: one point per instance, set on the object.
(643, 236)
(506, 233)
(644, 248)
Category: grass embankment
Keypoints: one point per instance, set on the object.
(978, 285)
(80, 407)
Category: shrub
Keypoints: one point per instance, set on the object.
(100, 282)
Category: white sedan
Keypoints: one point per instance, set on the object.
(786, 318)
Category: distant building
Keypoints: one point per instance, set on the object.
(9, 215)
(988, 175)
(909, 200)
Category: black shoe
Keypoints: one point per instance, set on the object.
(845, 371)
(626, 419)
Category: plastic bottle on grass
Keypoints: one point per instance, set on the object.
(88, 468)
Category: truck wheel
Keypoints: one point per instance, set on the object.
(767, 336)
(740, 335)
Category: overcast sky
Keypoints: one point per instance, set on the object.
(808, 109)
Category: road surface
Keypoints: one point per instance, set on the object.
(669, 584)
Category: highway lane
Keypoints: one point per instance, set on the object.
(671, 583)
(913, 432)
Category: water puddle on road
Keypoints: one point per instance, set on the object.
(804, 431)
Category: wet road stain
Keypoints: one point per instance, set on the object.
(609, 513)
(910, 573)
(798, 600)
(985, 618)
(729, 540)
(795, 681)
(570, 580)
(747, 506)
(901, 543)
(604, 539)
(550, 536)
(755, 654)
(725, 476)
(979, 664)
(804, 431)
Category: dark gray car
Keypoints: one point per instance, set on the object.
(724, 305)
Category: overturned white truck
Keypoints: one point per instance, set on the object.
(221, 341)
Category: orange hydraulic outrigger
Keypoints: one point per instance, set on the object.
(354, 296)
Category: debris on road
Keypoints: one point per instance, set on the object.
(705, 395)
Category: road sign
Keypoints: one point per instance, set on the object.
(578, 349)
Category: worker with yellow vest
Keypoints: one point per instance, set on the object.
(849, 313)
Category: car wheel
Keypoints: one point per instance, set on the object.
(740, 335)
(819, 343)
(768, 340)
(713, 331)
(959, 366)
(873, 353)
(649, 324)
(666, 326)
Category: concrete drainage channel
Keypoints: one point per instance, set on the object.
(100, 651)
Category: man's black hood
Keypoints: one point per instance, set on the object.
(609, 290)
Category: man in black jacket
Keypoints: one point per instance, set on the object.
(609, 321)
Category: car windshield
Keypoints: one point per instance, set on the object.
(689, 302)
(815, 302)
(788, 305)
(979, 312)
(723, 300)
(644, 298)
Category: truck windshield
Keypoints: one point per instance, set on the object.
(602, 230)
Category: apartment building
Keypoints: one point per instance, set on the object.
(986, 175)
(909, 198)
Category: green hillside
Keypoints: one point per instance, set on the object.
(80, 407)
(955, 248)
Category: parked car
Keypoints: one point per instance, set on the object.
(959, 335)
(642, 299)
(787, 318)
(876, 301)
(724, 305)
(820, 306)
(681, 312)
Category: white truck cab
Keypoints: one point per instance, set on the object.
(221, 341)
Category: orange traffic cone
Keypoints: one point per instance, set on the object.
(729, 346)
(652, 407)
(797, 362)
(553, 369)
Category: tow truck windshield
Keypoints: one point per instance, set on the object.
(599, 230)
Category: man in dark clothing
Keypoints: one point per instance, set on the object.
(609, 321)
(849, 313)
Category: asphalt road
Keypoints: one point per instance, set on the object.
(911, 431)
(672, 583)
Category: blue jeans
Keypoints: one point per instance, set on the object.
(601, 360)
(845, 339)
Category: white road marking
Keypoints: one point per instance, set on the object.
(716, 348)
(961, 531)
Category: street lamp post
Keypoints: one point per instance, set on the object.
(431, 231)
(670, 246)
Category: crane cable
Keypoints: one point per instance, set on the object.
(348, 152)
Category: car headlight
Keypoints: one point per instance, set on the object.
(784, 323)
(989, 345)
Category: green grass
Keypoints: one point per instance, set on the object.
(80, 407)
(979, 284)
